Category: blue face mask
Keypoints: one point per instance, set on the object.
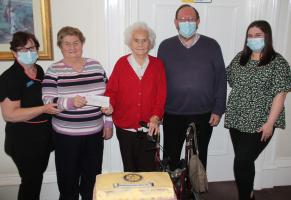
(256, 44)
(28, 58)
(187, 29)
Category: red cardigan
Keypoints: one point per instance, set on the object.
(135, 100)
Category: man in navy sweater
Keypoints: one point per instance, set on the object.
(196, 85)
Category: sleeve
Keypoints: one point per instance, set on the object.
(160, 51)
(10, 87)
(108, 123)
(2, 89)
(230, 69)
(281, 77)
(50, 91)
(220, 83)
(161, 91)
(112, 85)
(105, 78)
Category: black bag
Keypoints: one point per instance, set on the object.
(197, 172)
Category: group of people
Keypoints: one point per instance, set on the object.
(186, 82)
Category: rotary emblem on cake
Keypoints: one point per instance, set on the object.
(134, 186)
(132, 177)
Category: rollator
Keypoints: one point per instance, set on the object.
(179, 176)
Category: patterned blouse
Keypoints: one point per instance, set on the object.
(253, 90)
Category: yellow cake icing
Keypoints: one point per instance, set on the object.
(134, 186)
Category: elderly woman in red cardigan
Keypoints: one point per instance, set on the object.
(137, 91)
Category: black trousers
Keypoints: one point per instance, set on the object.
(29, 146)
(247, 147)
(137, 152)
(175, 127)
(78, 161)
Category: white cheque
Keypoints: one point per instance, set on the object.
(95, 100)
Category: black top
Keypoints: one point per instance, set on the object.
(16, 85)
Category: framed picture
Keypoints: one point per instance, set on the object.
(25, 15)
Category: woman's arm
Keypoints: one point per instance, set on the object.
(50, 93)
(276, 109)
(158, 110)
(113, 84)
(12, 112)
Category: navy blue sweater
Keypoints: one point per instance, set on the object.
(196, 78)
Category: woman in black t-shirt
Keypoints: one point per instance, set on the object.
(28, 130)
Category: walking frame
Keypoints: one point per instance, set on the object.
(179, 176)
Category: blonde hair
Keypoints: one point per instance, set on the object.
(68, 30)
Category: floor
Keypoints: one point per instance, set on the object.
(227, 191)
(217, 191)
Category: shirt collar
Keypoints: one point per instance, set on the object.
(196, 38)
(134, 64)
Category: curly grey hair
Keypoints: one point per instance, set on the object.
(139, 26)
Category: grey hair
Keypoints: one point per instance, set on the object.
(139, 26)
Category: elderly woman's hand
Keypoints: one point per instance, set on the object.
(79, 101)
(107, 110)
(154, 125)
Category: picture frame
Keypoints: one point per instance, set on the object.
(26, 15)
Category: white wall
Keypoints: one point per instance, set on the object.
(103, 22)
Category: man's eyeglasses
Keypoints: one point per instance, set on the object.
(26, 49)
(186, 19)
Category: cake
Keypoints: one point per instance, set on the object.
(134, 186)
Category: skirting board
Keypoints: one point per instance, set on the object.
(14, 179)
(270, 176)
(278, 174)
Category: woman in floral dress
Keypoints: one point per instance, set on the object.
(260, 79)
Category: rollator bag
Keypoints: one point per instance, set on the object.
(197, 172)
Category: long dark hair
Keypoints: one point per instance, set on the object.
(268, 53)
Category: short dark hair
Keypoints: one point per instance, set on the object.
(186, 5)
(20, 38)
(268, 52)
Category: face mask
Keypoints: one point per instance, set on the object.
(256, 44)
(28, 57)
(187, 29)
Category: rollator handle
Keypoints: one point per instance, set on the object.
(149, 137)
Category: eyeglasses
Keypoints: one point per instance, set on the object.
(26, 49)
(71, 44)
(186, 19)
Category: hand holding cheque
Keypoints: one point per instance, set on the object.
(102, 101)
